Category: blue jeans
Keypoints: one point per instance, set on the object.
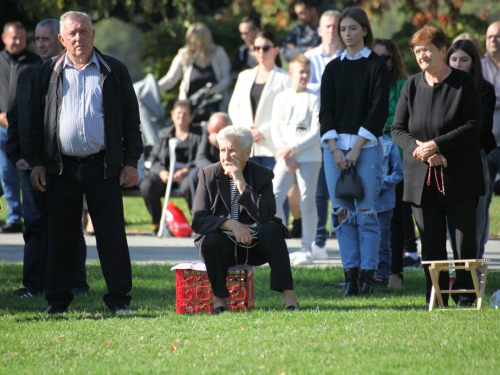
(359, 233)
(36, 241)
(10, 182)
(384, 252)
(322, 207)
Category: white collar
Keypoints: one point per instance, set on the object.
(365, 52)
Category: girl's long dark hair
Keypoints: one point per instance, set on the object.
(476, 70)
(398, 69)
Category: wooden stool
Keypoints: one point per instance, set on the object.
(471, 265)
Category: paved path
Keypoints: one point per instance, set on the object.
(146, 249)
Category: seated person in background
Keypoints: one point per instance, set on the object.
(208, 150)
(245, 57)
(305, 36)
(153, 187)
(231, 196)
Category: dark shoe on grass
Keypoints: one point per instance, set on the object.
(218, 310)
(25, 293)
(55, 310)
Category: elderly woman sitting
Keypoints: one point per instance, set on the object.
(233, 214)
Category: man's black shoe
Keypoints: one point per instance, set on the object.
(25, 293)
(121, 309)
(12, 228)
(55, 310)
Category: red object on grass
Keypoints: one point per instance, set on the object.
(193, 293)
(177, 222)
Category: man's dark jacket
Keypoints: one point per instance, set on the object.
(212, 204)
(18, 115)
(121, 116)
(160, 155)
(10, 67)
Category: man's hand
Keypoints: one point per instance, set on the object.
(242, 233)
(128, 176)
(164, 176)
(23, 165)
(180, 174)
(38, 178)
(3, 120)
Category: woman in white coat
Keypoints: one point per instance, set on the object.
(199, 62)
(252, 102)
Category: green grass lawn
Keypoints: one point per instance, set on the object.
(139, 221)
(389, 333)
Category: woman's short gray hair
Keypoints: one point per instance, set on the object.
(238, 133)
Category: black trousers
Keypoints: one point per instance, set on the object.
(104, 199)
(36, 241)
(218, 253)
(153, 190)
(433, 219)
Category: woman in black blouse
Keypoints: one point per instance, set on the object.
(437, 124)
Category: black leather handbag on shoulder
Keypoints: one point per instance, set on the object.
(349, 185)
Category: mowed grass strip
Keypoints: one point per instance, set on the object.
(389, 333)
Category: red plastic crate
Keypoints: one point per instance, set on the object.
(194, 294)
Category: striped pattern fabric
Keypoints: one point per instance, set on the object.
(235, 195)
(81, 124)
(318, 59)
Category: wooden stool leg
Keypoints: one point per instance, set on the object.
(436, 291)
(480, 296)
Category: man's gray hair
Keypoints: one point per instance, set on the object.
(73, 14)
(52, 23)
(238, 133)
(328, 14)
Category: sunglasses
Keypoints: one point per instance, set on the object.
(264, 48)
(385, 57)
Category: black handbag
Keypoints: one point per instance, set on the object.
(349, 185)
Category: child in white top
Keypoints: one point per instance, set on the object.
(296, 138)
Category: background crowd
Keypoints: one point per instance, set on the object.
(344, 96)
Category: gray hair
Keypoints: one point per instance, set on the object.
(52, 23)
(71, 15)
(237, 133)
(328, 14)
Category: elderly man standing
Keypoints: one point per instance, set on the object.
(34, 201)
(235, 202)
(491, 71)
(84, 131)
(13, 59)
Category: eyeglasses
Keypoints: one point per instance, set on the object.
(264, 48)
(385, 57)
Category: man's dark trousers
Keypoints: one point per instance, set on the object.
(104, 199)
(36, 241)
